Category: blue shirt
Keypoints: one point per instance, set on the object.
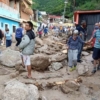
(8, 36)
(97, 36)
(74, 44)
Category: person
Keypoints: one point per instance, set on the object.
(46, 30)
(19, 34)
(72, 46)
(1, 36)
(8, 38)
(82, 34)
(27, 46)
(96, 51)
(95, 29)
(93, 40)
(40, 30)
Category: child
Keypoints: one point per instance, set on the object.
(8, 38)
(72, 47)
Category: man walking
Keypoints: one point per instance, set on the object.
(19, 34)
(82, 34)
(27, 46)
(96, 51)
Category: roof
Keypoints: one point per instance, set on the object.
(54, 16)
(90, 11)
(43, 13)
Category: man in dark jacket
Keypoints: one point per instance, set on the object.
(27, 46)
(82, 33)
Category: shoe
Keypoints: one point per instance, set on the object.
(92, 61)
(79, 61)
(94, 71)
(74, 68)
(98, 68)
(71, 69)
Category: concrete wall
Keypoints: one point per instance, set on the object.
(10, 24)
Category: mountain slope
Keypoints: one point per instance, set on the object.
(57, 6)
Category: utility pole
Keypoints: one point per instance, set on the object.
(64, 10)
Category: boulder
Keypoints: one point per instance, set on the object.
(10, 58)
(58, 57)
(72, 85)
(65, 89)
(40, 62)
(85, 53)
(43, 49)
(82, 69)
(16, 90)
(38, 41)
(55, 66)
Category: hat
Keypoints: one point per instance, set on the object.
(75, 32)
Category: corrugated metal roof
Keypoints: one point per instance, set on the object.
(90, 11)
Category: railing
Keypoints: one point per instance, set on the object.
(2, 5)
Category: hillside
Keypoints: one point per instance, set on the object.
(57, 6)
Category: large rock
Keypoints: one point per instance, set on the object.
(65, 89)
(39, 41)
(82, 69)
(58, 57)
(55, 66)
(43, 49)
(40, 62)
(16, 90)
(10, 58)
(70, 86)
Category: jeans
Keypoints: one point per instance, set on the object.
(72, 57)
(79, 51)
(18, 41)
(8, 43)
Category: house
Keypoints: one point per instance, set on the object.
(26, 13)
(9, 15)
(54, 18)
(91, 17)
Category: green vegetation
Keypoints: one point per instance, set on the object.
(57, 6)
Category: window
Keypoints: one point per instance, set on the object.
(1, 24)
(6, 26)
(14, 29)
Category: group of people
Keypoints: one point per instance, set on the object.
(76, 42)
(42, 29)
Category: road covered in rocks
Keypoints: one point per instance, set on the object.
(51, 80)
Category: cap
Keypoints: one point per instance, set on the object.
(75, 32)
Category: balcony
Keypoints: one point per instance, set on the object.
(2, 5)
(8, 12)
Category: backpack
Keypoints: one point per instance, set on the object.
(19, 33)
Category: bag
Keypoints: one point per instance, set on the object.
(19, 33)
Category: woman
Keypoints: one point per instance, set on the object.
(8, 38)
(72, 47)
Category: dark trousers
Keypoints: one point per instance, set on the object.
(8, 43)
(40, 35)
(79, 52)
(18, 41)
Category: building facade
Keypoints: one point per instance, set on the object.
(9, 15)
(26, 12)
